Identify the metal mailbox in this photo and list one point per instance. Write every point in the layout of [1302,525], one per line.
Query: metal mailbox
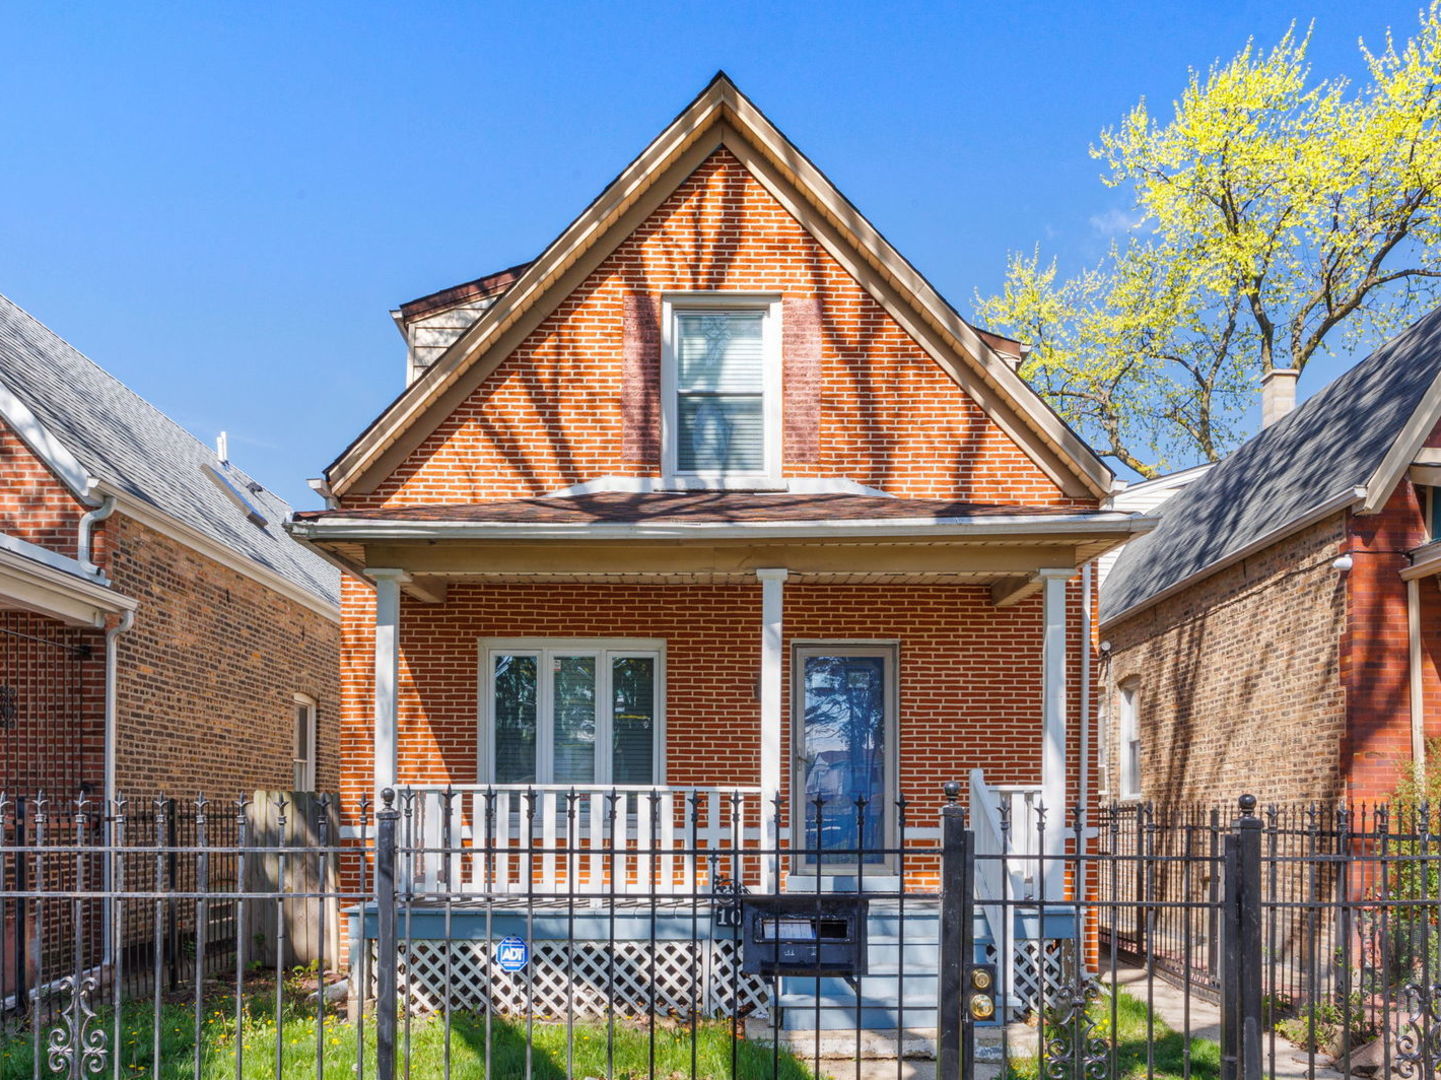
[804,935]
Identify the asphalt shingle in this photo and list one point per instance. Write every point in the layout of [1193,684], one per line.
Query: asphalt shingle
[123,440]
[1331,444]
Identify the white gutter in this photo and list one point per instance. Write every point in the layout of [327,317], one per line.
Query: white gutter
[88,521]
[381,529]
[1084,794]
[1346,499]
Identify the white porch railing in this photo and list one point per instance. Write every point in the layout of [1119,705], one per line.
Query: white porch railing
[584,838]
[1007,860]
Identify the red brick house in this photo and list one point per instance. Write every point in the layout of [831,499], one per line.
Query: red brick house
[159,631]
[1279,631]
[647,500]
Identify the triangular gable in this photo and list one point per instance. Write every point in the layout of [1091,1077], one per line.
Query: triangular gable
[723,117]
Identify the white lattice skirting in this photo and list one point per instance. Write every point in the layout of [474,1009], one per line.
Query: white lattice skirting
[584,979]
[1049,962]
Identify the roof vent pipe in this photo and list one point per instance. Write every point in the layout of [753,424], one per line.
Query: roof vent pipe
[1278,394]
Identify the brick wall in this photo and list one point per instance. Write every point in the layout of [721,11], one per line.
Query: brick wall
[1239,678]
[207,674]
[1376,650]
[52,706]
[34,504]
[969,674]
[551,414]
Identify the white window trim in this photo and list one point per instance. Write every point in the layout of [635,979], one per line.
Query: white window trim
[771,388]
[312,708]
[1128,734]
[616,647]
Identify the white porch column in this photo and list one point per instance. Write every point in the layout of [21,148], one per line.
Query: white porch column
[1053,718]
[772,707]
[387,661]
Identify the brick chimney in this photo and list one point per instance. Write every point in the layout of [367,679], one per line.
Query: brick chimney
[1278,394]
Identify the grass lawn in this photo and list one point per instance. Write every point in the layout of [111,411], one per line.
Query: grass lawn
[1132,1046]
[632,1048]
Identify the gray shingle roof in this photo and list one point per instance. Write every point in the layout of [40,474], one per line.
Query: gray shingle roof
[1333,443]
[124,441]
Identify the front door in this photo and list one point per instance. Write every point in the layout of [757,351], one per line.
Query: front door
[844,742]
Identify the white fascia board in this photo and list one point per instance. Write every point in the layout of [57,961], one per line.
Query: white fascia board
[53,559]
[163,523]
[1425,562]
[1403,450]
[63,594]
[360,529]
[1346,500]
[44,445]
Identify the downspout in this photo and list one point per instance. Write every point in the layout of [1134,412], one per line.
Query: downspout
[1417,686]
[83,541]
[1084,793]
[127,620]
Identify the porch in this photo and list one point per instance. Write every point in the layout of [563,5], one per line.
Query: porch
[788,648]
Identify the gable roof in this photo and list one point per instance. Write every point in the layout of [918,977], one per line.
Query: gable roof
[1346,446]
[722,117]
[96,428]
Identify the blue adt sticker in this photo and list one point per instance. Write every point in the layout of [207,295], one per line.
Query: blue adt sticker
[512,954]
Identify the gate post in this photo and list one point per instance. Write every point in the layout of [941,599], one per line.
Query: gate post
[1241,1028]
[387,959]
[956,1038]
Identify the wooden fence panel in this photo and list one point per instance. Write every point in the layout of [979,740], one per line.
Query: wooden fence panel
[298,930]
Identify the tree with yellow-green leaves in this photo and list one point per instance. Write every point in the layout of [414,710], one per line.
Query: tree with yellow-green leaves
[1280,216]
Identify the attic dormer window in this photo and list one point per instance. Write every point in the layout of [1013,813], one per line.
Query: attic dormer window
[721,384]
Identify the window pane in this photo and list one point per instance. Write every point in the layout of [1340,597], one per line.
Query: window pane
[723,434]
[720,351]
[633,717]
[515,711]
[844,753]
[302,732]
[574,691]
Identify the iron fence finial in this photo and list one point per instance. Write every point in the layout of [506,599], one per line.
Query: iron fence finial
[953,791]
[1248,805]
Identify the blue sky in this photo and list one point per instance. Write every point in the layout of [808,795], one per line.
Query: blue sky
[221,202]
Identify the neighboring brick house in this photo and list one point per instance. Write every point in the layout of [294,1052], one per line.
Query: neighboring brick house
[717,433]
[1279,631]
[159,631]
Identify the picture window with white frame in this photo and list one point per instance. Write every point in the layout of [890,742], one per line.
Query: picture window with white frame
[573,712]
[721,383]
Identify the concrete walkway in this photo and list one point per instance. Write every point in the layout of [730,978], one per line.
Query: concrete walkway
[1169,1004]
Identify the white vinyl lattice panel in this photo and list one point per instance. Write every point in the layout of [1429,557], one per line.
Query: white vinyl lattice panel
[1039,964]
[584,979]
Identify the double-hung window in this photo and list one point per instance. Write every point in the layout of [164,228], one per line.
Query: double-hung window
[572,712]
[721,385]
[303,761]
[1130,740]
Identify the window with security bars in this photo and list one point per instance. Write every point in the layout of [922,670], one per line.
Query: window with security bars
[720,358]
[573,715]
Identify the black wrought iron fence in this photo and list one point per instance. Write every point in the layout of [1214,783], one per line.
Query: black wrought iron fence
[654,933]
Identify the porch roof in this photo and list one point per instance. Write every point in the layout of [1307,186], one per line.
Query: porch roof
[708,509]
[715,536]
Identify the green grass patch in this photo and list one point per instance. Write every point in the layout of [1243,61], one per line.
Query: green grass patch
[1122,1050]
[631,1047]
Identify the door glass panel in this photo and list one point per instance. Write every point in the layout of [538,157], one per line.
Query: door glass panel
[574,696]
[632,681]
[515,719]
[844,759]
